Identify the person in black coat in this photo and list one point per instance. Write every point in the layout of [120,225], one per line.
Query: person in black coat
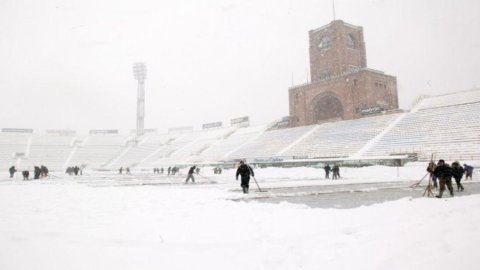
[457,173]
[244,170]
[335,171]
[36,172]
[43,171]
[468,171]
[76,169]
[327,171]
[190,174]
[12,171]
[25,175]
[443,171]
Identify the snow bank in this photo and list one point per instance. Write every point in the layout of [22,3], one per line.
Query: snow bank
[66,225]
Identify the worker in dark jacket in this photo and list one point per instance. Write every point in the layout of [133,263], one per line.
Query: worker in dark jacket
[457,173]
[12,171]
[244,170]
[25,174]
[327,171]
[336,172]
[36,172]
[190,174]
[443,171]
[468,171]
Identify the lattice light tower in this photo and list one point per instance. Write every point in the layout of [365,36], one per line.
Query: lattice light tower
[140,74]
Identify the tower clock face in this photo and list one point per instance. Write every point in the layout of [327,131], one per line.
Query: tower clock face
[324,43]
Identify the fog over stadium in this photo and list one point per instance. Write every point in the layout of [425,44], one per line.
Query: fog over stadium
[68,64]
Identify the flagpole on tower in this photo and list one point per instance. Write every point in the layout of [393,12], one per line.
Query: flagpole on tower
[333,7]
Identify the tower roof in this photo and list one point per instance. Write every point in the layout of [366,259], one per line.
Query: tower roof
[333,23]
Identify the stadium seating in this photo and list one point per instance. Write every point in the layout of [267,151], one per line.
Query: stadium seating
[447,126]
[340,139]
[53,149]
[223,148]
[10,145]
[96,151]
[270,143]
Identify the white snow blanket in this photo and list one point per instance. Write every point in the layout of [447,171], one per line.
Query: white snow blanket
[67,224]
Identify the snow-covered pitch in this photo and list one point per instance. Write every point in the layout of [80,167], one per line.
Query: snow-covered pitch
[146,221]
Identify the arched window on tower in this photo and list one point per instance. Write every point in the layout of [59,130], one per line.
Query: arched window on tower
[324,44]
[350,41]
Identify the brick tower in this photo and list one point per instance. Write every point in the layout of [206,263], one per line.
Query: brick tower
[342,86]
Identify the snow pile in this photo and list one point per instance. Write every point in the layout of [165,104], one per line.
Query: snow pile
[58,224]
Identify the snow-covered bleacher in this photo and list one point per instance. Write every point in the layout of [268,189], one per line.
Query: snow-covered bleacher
[223,148]
[53,149]
[270,143]
[177,142]
[96,151]
[11,145]
[192,151]
[145,147]
[464,97]
[340,139]
[189,147]
[447,126]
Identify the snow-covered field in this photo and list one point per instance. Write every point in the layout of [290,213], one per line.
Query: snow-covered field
[107,221]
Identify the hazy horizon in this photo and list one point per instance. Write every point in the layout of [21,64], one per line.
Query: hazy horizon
[68,64]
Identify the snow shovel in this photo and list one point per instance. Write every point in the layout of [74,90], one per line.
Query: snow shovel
[259,189]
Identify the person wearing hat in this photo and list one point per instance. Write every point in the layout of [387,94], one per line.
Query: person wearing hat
[443,171]
[244,170]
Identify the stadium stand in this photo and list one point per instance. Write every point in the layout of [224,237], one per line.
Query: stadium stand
[269,143]
[52,148]
[11,145]
[142,149]
[222,149]
[340,139]
[95,151]
[447,126]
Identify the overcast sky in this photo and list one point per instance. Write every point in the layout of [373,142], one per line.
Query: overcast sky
[68,64]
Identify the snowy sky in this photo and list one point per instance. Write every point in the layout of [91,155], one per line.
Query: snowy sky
[68,64]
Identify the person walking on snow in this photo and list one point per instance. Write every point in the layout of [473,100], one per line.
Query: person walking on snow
[336,172]
[25,175]
[190,175]
[457,173]
[327,171]
[244,170]
[12,171]
[468,171]
[444,174]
